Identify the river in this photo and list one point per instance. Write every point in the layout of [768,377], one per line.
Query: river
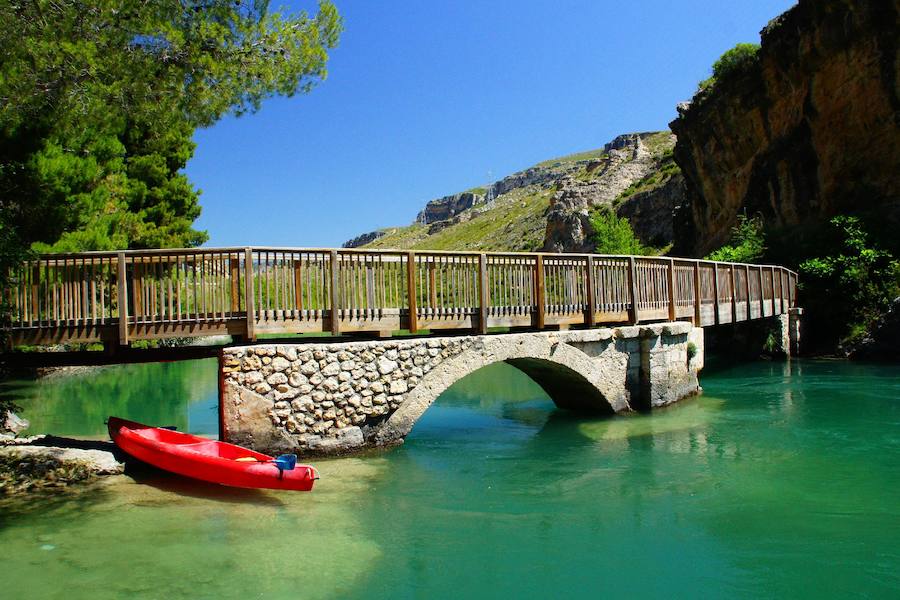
[782,479]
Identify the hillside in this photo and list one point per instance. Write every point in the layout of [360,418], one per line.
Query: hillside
[547,206]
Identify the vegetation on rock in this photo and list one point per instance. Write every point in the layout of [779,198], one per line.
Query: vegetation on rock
[733,61]
[614,235]
[853,281]
[747,243]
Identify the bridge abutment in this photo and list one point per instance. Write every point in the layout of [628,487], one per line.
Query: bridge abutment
[330,398]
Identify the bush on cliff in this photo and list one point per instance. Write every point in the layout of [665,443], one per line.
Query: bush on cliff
[733,61]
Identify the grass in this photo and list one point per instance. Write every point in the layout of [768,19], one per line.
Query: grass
[659,143]
[515,222]
[577,157]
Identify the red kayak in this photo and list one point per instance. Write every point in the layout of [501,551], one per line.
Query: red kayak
[209,460]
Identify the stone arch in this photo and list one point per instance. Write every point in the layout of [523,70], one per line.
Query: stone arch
[570,377]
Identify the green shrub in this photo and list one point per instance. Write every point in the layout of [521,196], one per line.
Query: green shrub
[747,243]
[732,61]
[614,235]
[691,350]
[853,283]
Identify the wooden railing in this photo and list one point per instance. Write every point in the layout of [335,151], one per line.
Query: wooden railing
[118,297]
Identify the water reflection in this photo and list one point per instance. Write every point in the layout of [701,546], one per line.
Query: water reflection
[183,394]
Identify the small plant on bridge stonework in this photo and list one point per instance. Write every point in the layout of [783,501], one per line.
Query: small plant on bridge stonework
[691,351]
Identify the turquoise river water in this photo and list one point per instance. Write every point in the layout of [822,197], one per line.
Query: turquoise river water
[782,480]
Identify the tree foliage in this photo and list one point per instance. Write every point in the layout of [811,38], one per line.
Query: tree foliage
[855,281]
[747,243]
[614,235]
[99,101]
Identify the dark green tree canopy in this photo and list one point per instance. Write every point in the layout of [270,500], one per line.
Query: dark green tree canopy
[99,100]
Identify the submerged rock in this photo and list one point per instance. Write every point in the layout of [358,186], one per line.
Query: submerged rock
[30,468]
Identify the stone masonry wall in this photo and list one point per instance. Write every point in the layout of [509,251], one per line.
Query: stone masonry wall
[337,397]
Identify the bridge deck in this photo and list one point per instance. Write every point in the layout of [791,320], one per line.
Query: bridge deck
[119,297]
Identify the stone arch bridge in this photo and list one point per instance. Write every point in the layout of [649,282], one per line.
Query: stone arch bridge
[333,398]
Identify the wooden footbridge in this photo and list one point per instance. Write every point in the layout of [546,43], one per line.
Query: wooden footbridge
[119,297]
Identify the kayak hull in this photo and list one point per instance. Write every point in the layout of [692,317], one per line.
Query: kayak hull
[207,460]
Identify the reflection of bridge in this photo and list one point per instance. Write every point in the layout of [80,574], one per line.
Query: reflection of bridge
[119,297]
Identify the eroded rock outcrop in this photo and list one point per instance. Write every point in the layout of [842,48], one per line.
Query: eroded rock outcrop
[362,240]
[448,207]
[810,130]
[627,160]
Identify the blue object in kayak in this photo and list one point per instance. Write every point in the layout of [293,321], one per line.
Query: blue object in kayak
[286,462]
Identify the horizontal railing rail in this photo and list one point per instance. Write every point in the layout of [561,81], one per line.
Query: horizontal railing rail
[119,297]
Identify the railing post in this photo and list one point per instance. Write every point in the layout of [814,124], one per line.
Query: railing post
[35,292]
[716,290]
[747,312]
[772,275]
[780,291]
[298,284]
[733,293]
[411,291]
[432,286]
[123,299]
[762,293]
[790,290]
[335,294]
[698,297]
[482,293]
[634,317]
[589,282]
[137,287]
[249,296]
[234,268]
[673,313]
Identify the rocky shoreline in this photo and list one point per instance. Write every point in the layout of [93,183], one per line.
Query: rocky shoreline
[45,463]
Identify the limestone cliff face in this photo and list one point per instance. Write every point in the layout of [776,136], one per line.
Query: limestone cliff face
[810,130]
[448,207]
[362,240]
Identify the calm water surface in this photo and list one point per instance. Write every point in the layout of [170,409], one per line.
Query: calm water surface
[781,480]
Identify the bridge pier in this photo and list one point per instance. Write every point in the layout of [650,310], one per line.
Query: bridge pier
[332,398]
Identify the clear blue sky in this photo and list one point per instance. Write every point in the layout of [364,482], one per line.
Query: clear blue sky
[425,99]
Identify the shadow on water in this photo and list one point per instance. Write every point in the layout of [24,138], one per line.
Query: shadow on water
[164,481]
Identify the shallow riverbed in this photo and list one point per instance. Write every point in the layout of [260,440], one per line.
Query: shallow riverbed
[782,479]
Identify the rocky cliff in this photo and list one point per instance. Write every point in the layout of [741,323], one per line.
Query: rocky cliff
[809,129]
[627,164]
[548,206]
